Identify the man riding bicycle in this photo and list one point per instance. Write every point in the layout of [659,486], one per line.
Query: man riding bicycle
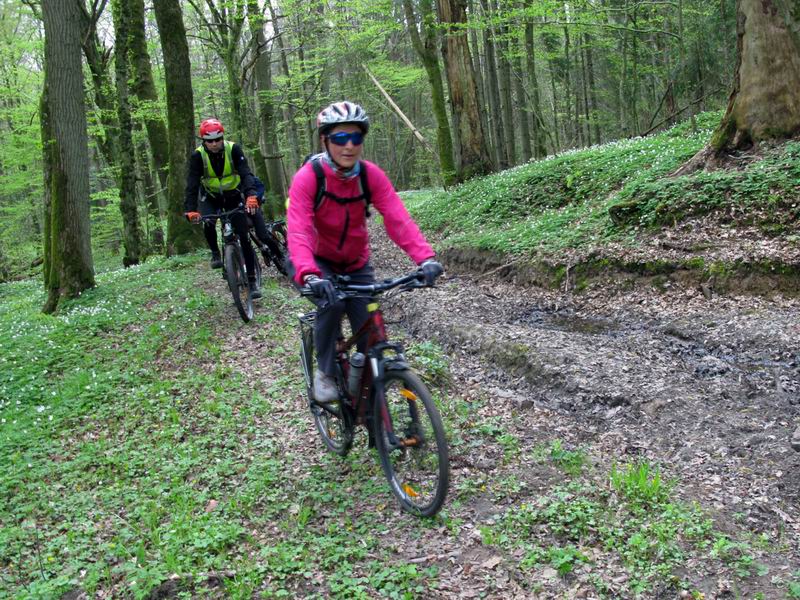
[327,229]
[219,175]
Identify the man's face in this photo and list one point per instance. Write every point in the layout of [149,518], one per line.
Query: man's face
[214,145]
[346,155]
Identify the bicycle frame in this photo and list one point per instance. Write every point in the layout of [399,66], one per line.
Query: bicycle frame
[374,329]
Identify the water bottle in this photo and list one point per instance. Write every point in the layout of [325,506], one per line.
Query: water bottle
[356,368]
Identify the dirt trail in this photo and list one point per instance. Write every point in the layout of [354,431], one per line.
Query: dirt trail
[709,388]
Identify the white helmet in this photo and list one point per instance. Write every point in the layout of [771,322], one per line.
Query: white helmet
[340,113]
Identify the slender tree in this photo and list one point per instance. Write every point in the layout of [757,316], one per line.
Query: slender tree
[266,109]
[146,98]
[181,236]
[68,254]
[131,231]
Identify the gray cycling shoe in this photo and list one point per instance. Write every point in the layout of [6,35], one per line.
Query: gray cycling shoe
[325,389]
[796,439]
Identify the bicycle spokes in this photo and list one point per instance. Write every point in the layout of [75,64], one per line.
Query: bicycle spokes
[410,441]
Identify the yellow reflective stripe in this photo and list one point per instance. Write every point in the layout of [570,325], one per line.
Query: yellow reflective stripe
[408,394]
[372,307]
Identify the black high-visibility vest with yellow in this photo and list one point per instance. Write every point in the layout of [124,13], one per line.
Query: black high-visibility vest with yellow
[216,184]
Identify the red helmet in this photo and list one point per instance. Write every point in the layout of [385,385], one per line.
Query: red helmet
[211,129]
[340,113]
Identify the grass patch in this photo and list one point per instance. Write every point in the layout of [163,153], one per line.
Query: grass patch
[585,197]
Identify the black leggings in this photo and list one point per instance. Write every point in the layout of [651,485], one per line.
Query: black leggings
[241,225]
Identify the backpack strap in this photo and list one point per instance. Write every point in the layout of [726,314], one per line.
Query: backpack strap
[320,174]
[366,193]
[362,176]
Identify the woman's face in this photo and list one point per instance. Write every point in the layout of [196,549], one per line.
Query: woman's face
[346,155]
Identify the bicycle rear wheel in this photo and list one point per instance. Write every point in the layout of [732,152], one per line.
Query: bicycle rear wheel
[236,275]
[410,440]
[332,420]
[280,251]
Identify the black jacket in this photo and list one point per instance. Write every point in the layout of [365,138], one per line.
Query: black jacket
[196,172]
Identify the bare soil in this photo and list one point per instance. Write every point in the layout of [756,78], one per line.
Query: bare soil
[704,384]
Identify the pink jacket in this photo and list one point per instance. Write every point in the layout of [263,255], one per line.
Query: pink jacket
[338,232]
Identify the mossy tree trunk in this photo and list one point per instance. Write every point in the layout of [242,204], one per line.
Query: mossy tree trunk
[765,101]
[425,47]
[470,149]
[68,254]
[131,231]
[494,113]
[181,236]
[149,111]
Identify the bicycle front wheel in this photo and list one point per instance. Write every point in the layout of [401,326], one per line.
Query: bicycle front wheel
[331,419]
[410,440]
[236,275]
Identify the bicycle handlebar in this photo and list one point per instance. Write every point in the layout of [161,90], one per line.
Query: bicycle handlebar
[221,215]
[346,289]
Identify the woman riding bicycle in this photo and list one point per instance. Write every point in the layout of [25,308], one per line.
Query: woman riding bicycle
[327,229]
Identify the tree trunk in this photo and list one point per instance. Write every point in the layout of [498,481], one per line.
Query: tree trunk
[266,112]
[495,113]
[131,232]
[181,236]
[570,127]
[519,89]
[539,129]
[506,100]
[68,259]
[478,67]
[288,111]
[147,97]
[97,60]
[473,159]
[594,117]
[765,101]
[427,52]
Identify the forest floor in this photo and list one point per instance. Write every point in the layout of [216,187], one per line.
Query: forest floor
[628,440]
[706,386]
[550,396]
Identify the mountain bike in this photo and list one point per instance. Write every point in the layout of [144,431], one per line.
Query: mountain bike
[233,266]
[273,250]
[386,397]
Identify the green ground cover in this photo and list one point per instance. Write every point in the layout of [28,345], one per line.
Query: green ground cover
[611,192]
[147,436]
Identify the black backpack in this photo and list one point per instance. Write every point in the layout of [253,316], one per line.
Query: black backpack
[365,195]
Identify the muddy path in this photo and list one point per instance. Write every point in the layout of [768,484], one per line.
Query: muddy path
[709,388]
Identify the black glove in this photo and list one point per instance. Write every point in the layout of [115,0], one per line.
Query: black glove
[431,269]
[322,288]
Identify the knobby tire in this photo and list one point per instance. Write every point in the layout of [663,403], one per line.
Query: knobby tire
[236,275]
[418,472]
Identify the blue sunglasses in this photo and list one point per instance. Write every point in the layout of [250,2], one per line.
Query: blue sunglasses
[341,138]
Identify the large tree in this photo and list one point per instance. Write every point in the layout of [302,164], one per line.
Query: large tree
[424,42]
[471,153]
[68,265]
[765,101]
[181,236]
